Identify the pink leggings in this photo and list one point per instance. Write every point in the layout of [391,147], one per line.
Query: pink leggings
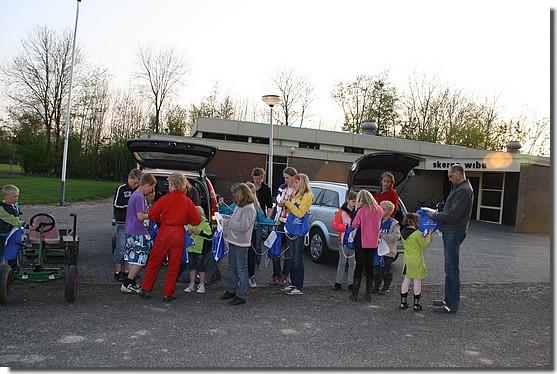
[406,284]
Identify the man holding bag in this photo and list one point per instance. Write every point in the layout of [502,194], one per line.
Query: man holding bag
[453,223]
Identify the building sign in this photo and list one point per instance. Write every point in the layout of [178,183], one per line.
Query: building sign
[500,161]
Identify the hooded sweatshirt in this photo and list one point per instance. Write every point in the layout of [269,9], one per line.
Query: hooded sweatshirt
[343,217]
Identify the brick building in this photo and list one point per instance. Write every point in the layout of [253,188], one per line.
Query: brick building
[510,188]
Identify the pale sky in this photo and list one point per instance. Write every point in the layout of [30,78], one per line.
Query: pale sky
[485,48]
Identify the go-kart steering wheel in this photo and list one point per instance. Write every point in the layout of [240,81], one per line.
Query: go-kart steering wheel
[43,226]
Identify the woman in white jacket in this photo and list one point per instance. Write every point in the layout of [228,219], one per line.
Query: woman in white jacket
[237,233]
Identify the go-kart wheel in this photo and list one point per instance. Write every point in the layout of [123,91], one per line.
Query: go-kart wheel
[6,277]
[46,226]
[70,279]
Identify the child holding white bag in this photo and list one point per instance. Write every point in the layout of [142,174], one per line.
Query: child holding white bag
[390,234]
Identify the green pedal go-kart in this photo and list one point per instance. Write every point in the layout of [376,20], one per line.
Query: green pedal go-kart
[41,252]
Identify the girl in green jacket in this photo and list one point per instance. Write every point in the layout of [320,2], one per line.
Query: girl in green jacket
[414,243]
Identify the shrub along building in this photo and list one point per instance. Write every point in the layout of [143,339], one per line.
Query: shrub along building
[510,188]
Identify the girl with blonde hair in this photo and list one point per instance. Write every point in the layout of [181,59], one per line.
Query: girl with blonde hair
[367,221]
[299,206]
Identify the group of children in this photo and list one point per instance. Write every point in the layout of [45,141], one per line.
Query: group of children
[138,250]
[389,231]
[242,222]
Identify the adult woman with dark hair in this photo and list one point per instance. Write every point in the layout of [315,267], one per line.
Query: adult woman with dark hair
[192,193]
[387,192]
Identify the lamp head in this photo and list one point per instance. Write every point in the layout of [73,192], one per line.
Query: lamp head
[271,100]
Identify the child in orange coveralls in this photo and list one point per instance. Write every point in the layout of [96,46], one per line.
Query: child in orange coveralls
[171,212]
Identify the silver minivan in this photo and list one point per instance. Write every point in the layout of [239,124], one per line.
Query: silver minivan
[328,197]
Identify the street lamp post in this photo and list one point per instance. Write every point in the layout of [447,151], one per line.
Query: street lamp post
[67,129]
[271,101]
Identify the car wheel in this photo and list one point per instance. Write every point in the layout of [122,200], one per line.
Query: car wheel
[317,246]
[70,289]
[6,276]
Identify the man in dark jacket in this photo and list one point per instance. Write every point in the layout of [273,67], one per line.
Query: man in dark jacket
[453,223]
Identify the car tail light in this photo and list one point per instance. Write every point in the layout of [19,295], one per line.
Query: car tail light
[212,201]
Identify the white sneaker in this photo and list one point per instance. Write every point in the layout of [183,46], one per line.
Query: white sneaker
[295,291]
[132,287]
[201,288]
[190,287]
[252,283]
[288,288]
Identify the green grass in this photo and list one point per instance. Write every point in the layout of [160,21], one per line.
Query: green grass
[43,190]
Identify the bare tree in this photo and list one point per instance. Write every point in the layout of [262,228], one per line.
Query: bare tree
[128,119]
[91,107]
[296,96]
[161,71]
[532,134]
[422,106]
[37,78]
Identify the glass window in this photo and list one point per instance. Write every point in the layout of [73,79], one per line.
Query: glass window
[490,215]
[493,181]
[212,135]
[330,198]
[237,138]
[255,139]
[316,192]
[309,145]
[491,198]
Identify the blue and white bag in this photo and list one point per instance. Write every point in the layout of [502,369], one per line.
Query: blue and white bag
[274,244]
[426,224]
[219,247]
[188,242]
[348,239]
[297,226]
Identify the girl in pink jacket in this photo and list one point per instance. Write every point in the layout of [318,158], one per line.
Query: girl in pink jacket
[368,224]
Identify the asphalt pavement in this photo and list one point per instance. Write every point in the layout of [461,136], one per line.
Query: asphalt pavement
[505,319]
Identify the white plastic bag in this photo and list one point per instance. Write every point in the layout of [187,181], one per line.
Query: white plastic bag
[383,248]
[270,239]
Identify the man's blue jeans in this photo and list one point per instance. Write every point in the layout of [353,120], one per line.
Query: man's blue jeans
[451,245]
[238,270]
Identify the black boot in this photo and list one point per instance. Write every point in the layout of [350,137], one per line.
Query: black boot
[377,277]
[404,300]
[417,306]
[369,282]
[355,290]
[385,289]
[376,284]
